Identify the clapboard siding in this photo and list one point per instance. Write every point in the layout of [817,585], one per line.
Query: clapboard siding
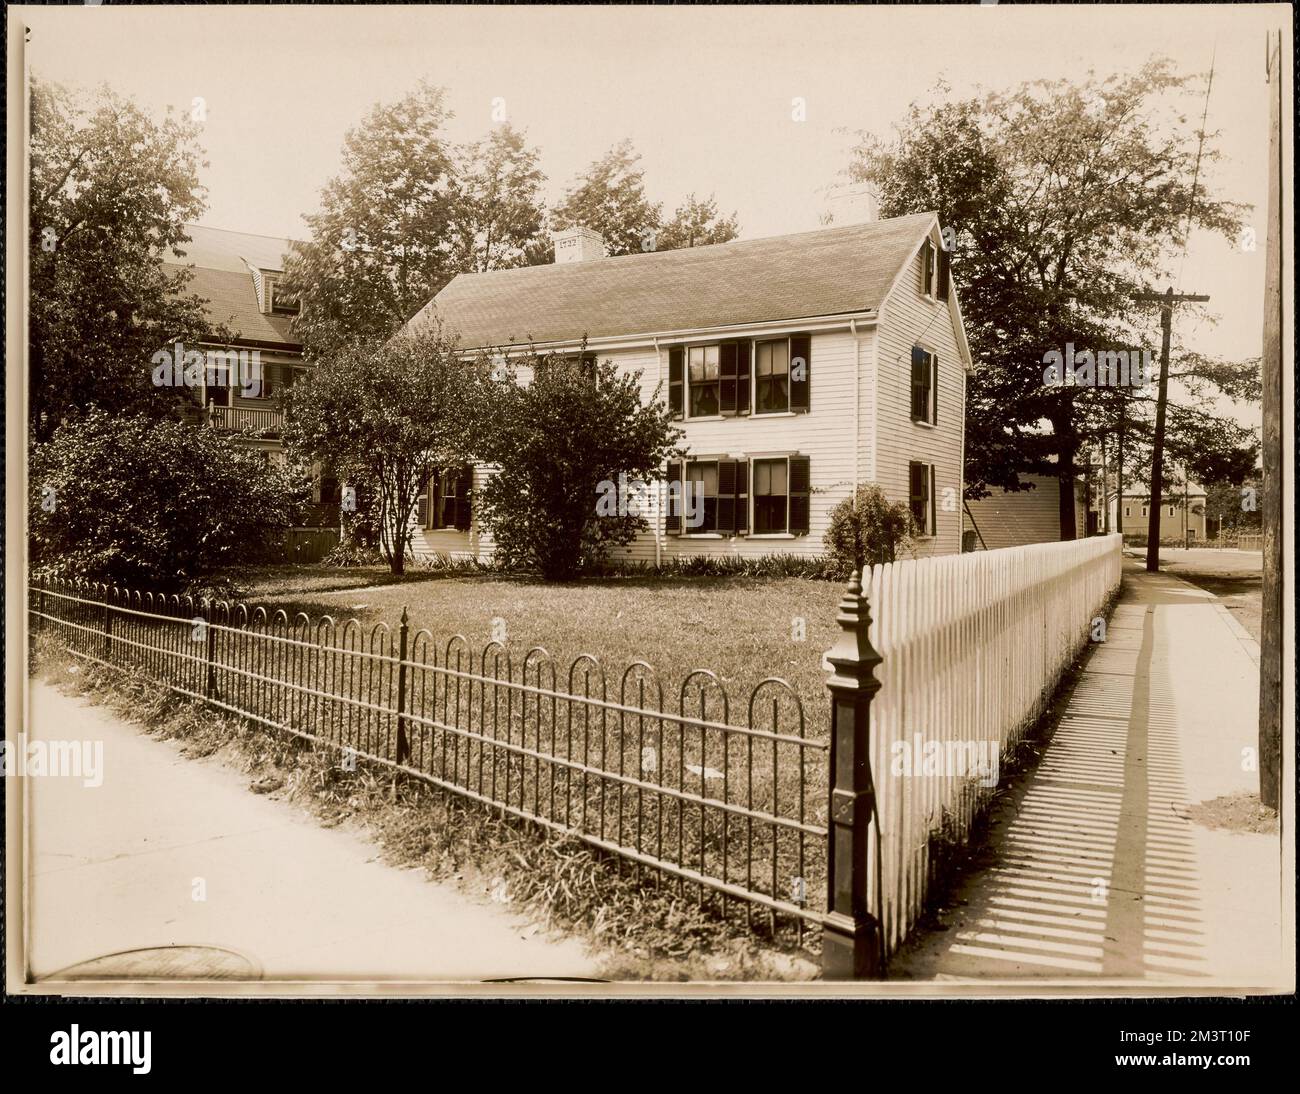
[1022,517]
[909,319]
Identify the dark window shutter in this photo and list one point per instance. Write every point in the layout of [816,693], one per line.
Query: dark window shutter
[800,389]
[726,496]
[727,389]
[800,487]
[676,388]
[919,368]
[422,508]
[673,514]
[464,479]
[945,273]
[927,267]
[934,389]
[918,483]
[744,370]
[742,495]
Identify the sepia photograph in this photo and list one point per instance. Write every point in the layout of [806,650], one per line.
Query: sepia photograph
[618,502]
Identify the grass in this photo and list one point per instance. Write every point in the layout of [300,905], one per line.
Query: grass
[743,629]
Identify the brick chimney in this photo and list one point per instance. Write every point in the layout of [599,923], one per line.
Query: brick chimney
[578,245]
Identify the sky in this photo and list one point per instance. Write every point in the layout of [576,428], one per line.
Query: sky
[705,94]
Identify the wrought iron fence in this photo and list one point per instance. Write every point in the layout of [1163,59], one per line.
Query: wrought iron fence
[728,805]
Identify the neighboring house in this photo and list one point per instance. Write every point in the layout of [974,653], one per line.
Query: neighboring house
[239,275]
[1182,515]
[1017,518]
[797,365]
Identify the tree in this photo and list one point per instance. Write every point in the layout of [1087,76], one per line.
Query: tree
[1065,199]
[609,198]
[868,529]
[150,502]
[110,191]
[381,245]
[496,212]
[563,447]
[390,413]
[696,224]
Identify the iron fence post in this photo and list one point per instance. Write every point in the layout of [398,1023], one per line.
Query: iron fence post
[108,630]
[851,934]
[403,745]
[210,675]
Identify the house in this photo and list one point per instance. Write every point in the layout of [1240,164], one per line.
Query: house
[1182,513]
[239,275]
[797,366]
[1020,517]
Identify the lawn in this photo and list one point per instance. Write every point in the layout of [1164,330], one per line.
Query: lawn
[743,629]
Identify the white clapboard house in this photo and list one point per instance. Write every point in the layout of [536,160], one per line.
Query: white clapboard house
[868,309]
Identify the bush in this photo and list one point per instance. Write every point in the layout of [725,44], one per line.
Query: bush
[558,443]
[143,502]
[869,529]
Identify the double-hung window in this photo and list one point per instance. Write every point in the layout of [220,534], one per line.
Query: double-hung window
[925,376]
[727,496]
[921,496]
[740,377]
[446,501]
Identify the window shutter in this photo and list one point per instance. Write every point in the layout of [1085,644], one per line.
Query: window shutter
[931,509]
[726,496]
[934,389]
[927,268]
[673,502]
[800,351]
[744,397]
[676,387]
[742,495]
[464,480]
[422,509]
[916,493]
[945,273]
[919,368]
[800,487]
[727,386]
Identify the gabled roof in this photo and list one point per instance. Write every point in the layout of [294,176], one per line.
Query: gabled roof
[222,275]
[833,271]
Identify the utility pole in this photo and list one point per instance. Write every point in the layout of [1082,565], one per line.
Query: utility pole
[1271,766]
[1167,300]
[1119,476]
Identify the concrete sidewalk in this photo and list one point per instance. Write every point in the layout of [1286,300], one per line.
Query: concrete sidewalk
[116,869]
[1097,865]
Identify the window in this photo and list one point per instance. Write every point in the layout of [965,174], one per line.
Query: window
[1144,510]
[703,476]
[1171,511]
[588,361]
[772,376]
[925,374]
[446,502]
[1126,512]
[719,497]
[281,301]
[927,268]
[703,379]
[771,495]
[921,496]
[735,378]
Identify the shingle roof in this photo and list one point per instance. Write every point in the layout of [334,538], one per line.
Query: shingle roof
[832,271]
[221,274]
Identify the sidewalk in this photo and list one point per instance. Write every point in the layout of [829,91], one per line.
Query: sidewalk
[116,868]
[1096,869]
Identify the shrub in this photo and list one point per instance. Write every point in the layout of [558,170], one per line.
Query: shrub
[869,529]
[145,502]
[558,443]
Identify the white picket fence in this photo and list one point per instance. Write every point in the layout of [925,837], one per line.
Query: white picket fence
[973,647]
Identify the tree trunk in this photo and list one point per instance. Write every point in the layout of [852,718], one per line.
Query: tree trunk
[1067,449]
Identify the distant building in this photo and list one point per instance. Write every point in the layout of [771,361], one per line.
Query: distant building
[1182,514]
[1018,518]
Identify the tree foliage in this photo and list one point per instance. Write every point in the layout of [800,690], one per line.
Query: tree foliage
[696,224]
[610,198]
[110,189]
[148,502]
[555,442]
[1065,198]
[388,413]
[868,529]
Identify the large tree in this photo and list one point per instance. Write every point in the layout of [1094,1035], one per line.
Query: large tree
[111,189]
[609,197]
[390,412]
[696,224]
[497,216]
[1064,200]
